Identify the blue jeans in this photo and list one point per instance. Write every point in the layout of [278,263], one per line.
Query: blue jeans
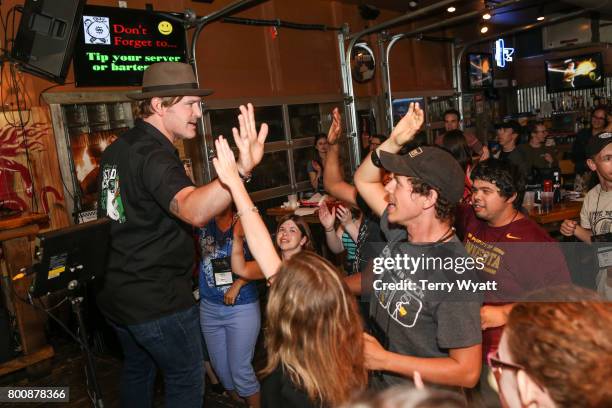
[173,344]
[231,333]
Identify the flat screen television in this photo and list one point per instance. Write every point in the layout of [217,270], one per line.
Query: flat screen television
[578,72]
[480,71]
[115,45]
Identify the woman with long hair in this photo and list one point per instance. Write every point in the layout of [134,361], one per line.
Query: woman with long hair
[316,165]
[315,351]
[314,335]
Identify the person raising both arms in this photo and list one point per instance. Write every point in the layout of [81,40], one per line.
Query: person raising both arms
[314,342]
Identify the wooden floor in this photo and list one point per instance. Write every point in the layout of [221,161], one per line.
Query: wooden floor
[68,369]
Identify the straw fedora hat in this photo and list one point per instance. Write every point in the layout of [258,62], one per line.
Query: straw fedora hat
[168,79]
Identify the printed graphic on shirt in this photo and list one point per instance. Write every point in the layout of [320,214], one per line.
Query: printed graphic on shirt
[491,254]
[402,306]
[111,197]
[601,221]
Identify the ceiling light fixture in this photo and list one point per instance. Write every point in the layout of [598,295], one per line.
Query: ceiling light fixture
[483,28]
[486,16]
[540,18]
[413,3]
[451,9]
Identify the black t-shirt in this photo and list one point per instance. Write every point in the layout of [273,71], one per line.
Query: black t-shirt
[278,391]
[151,252]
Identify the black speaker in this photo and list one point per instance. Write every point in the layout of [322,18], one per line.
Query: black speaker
[46,36]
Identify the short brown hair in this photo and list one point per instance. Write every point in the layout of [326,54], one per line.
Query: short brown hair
[445,210]
[144,106]
[565,347]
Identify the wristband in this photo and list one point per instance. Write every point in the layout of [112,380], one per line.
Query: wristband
[246,178]
[329,230]
[375,159]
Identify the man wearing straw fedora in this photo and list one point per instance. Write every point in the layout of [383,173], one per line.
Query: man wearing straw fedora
[146,292]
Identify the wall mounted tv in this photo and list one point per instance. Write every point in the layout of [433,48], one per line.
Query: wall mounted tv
[579,72]
[480,71]
[115,45]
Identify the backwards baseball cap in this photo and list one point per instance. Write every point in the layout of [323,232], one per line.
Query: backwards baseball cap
[597,143]
[431,164]
[511,124]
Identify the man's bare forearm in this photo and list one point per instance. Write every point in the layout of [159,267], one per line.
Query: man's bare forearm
[441,370]
[198,205]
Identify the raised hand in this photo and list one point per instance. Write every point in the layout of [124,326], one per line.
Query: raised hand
[327,218]
[344,215]
[316,167]
[250,143]
[409,125]
[336,127]
[225,163]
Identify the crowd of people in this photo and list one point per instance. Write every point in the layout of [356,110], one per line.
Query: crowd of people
[346,335]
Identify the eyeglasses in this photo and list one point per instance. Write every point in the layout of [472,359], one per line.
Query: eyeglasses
[599,117]
[497,364]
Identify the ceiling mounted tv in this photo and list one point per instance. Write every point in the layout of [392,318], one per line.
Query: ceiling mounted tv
[480,71]
[115,45]
[571,73]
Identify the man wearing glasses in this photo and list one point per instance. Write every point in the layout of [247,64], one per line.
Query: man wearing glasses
[598,124]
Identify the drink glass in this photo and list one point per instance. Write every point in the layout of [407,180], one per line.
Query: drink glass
[547,201]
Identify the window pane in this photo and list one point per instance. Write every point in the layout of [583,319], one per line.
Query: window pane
[273,171]
[305,120]
[223,120]
[301,157]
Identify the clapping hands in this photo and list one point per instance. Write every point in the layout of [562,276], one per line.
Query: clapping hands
[409,125]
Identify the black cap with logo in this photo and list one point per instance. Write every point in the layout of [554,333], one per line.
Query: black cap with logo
[431,164]
[597,143]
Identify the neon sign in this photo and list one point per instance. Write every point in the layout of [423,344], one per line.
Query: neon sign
[502,54]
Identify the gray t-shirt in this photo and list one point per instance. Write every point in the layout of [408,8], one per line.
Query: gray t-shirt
[416,322]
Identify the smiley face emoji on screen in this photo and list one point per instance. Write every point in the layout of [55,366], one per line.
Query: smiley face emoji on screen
[165,27]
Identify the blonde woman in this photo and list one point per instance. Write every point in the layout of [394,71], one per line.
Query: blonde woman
[314,341]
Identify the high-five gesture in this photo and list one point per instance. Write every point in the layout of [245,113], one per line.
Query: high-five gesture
[409,125]
[225,163]
[250,143]
[336,127]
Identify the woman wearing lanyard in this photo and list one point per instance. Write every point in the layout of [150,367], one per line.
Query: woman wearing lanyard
[229,309]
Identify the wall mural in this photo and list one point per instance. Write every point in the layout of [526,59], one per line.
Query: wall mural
[30,179]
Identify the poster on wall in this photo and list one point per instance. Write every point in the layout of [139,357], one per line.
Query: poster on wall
[115,45]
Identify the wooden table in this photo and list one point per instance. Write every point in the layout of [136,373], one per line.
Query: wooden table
[566,210]
[280,212]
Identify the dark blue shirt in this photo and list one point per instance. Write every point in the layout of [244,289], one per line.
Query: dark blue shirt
[215,244]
